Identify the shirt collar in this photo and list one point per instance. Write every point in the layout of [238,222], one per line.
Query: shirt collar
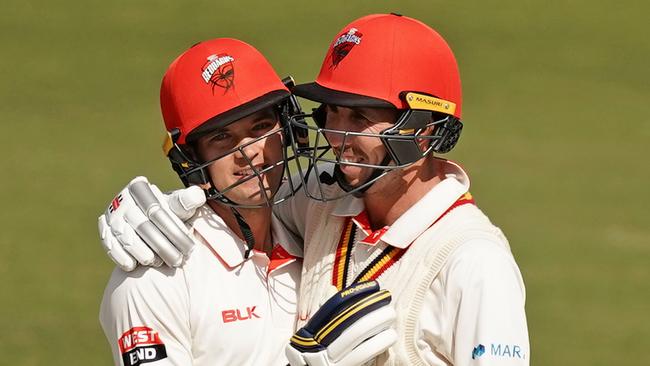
[210,227]
[429,208]
[420,216]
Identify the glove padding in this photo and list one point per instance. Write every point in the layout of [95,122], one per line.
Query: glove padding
[351,328]
[144,226]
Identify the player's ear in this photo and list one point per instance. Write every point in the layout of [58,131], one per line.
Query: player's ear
[430,130]
[191,150]
[424,143]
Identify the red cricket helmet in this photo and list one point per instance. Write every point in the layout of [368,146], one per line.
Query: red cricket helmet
[385,61]
[374,60]
[211,85]
[215,83]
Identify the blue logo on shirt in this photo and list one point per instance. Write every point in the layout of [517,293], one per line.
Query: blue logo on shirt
[507,350]
[478,351]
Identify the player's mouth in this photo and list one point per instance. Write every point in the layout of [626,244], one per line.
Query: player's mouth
[349,165]
[248,172]
[351,160]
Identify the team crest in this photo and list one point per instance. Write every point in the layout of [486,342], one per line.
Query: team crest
[219,71]
[344,45]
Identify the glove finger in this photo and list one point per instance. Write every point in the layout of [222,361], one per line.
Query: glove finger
[120,256]
[114,250]
[130,241]
[184,202]
[169,221]
[152,202]
[369,349]
[366,327]
[154,238]
[157,261]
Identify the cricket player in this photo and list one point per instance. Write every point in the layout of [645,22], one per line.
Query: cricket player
[391,211]
[232,301]
[385,208]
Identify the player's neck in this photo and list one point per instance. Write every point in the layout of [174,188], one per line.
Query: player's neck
[391,196]
[259,220]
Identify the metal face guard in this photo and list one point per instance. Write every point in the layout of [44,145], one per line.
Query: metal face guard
[221,194]
[402,142]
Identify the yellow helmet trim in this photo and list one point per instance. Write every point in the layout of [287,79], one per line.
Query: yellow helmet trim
[168,144]
[429,103]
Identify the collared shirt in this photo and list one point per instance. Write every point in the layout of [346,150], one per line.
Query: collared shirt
[218,308]
[420,216]
[473,312]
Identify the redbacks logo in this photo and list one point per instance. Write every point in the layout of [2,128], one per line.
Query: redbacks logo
[115,203]
[140,345]
[344,44]
[219,71]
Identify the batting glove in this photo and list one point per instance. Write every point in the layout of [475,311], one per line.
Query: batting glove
[144,226]
[351,328]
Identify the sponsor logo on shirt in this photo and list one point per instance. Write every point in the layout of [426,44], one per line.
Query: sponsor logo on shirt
[140,345]
[234,315]
[499,350]
[506,350]
[478,351]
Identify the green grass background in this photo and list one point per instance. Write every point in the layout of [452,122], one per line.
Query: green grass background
[556,140]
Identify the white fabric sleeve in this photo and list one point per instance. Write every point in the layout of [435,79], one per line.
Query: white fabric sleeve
[145,317]
[487,296]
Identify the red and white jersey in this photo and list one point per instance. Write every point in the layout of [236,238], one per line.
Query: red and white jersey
[219,308]
[472,312]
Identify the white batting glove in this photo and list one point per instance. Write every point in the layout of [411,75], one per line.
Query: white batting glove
[144,226]
[350,329]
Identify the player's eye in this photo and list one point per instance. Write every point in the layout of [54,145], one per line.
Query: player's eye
[359,118]
[219,137]
[263,126]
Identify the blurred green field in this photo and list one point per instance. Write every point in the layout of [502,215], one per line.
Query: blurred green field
[556,132]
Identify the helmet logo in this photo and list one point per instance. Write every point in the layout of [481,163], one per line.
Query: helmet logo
[344,44]
[427,102]
[219,71]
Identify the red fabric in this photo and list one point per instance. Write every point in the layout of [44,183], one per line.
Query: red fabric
[279,258]
[375,236]
[464,199]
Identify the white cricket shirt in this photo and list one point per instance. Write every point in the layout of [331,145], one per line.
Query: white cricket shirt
[218,308]
[473,312]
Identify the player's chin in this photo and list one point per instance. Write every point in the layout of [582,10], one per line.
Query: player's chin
[253,195]
[355,175]
[255,191]
[259,198]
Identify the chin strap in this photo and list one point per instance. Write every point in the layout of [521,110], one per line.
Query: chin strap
[245,230]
